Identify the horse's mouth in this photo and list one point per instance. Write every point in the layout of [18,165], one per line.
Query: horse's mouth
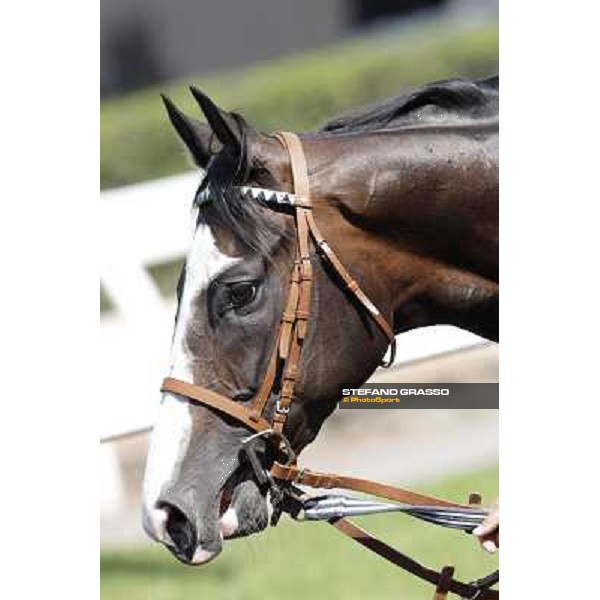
[228,521]
[243,506]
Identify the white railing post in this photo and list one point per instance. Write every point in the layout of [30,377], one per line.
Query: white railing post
[133,292]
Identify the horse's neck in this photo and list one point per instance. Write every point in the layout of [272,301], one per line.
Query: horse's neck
[428,228]
[428,292]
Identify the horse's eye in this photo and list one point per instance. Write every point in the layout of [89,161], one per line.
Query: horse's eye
[241,294]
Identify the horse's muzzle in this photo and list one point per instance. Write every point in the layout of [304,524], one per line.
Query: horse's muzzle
[195,533]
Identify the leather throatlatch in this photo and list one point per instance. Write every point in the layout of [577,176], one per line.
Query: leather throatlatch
[283,368]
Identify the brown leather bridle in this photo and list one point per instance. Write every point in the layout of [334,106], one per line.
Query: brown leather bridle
[284,363]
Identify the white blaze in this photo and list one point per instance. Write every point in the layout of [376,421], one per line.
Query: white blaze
[172,430]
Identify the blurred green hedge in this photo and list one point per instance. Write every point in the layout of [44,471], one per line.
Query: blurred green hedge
[295,93]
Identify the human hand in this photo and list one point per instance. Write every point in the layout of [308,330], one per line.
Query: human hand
[488,532]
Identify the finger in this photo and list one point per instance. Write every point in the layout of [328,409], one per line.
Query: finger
[489,546]
[484,529]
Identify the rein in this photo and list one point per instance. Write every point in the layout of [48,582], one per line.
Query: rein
[283,369]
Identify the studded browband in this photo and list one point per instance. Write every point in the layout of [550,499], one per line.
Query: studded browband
[285,361]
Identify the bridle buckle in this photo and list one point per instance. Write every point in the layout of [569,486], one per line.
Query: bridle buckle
[279,408]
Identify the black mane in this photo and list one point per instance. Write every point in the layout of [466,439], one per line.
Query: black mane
[436,103]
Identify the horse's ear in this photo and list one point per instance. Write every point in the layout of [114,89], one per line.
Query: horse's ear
[226,128]
[194,134]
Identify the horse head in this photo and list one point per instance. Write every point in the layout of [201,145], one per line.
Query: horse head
[231,294]
[429,258]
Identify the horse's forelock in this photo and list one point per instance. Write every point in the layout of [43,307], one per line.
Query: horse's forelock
[221,205]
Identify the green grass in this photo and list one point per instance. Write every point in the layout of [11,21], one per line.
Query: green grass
[106,304]
[307,560]
[296,93]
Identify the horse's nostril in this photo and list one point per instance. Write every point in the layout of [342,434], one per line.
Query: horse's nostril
[181,531]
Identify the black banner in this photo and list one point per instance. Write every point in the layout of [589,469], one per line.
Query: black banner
[421,395]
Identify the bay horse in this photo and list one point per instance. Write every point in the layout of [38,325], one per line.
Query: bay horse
[405,191]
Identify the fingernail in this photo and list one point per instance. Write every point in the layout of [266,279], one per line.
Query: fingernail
[489,546]
[478,530]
